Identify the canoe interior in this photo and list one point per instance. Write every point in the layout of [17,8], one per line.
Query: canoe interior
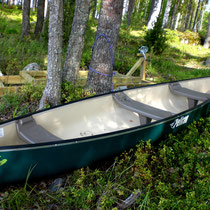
[101,114]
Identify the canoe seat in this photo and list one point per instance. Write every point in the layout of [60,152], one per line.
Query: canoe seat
[30,132]
[192,96]
[146,112]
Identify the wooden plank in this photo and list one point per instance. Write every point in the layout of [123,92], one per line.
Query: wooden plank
[27,77]
[36,73]
[136,65]
[12,80]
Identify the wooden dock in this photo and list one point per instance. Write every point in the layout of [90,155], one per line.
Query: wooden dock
[12,83]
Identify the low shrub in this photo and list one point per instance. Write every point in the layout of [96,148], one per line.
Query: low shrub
[71,93]
[155,39]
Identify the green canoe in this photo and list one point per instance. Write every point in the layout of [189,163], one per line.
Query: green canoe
[74,135]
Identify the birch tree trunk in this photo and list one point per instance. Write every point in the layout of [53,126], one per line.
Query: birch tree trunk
[94,8]
[52,92]
[26,18]
[109,25]
[130,11]
[34,5]
[178,16]
[76,40]
[173,17]
[200,19]
[154,13]
[187,16]
[46,10]
[166,13]
[138,6]
[40,17]
[125,7]
[207,40]
[196,15]
[46,16]
[191,18]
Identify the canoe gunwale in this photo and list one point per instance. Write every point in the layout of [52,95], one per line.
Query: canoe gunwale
[90,97]
[99,136]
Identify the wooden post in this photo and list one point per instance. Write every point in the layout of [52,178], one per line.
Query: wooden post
[1,84]
[143,69]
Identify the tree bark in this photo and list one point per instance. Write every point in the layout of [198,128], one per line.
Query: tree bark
[196,15]
[178,16]
[34,5]
[52,92]
[125,7]
[154,13]
[76,40]
[26,18]
[207,40]
[109,25]
[94,8]
[10,2]
[2,3]
[46,10]
[40,17]
[191,18]
[173,17]
[187,16]
[166,13]
[130,11]
[200,19]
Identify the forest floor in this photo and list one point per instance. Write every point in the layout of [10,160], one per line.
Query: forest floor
[174,174]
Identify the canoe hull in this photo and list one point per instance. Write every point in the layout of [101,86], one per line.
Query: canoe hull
[51,159]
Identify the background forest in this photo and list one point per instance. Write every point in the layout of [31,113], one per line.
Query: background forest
[174,174]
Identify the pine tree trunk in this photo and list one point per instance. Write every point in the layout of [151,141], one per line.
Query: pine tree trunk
[207,40]
[109,25]
[130,11]
[166,13]
[40,17]
[196,15]
[52,92]
[154,13]
[76,40]
[26,18]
